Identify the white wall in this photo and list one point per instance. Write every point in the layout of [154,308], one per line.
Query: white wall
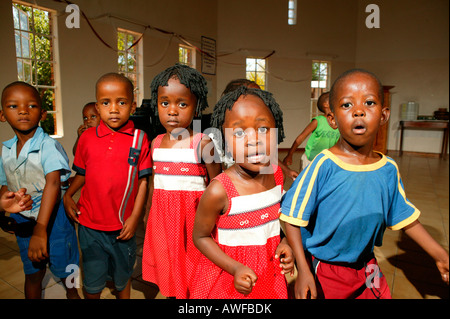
[410,50]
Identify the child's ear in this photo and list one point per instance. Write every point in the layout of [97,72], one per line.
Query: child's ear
[133,108]
[385,114]
[331,120]
[43,115]
[2,117]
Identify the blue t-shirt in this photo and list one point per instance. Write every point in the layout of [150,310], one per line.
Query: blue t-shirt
[344,209]
[40,155]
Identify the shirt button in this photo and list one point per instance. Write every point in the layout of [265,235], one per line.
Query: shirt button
[110,148]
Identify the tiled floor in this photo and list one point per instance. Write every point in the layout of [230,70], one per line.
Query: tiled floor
[411,274]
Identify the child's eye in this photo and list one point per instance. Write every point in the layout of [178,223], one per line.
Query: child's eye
[122,103]
[239,133]
[12,106]
[32,106]
[370,103]
[93,117]
[182,105]
[85,118]
[105,103]
[263,130]
[346,105]
[164,104]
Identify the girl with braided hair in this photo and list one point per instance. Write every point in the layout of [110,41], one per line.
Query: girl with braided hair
[183,164]
[236,225]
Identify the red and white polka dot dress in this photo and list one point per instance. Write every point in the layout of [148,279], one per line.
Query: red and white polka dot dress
[249,232]
[169,255]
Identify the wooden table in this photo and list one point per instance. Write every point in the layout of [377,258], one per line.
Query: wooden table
[426,125]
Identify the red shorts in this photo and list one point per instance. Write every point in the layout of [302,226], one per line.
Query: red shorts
[350,281]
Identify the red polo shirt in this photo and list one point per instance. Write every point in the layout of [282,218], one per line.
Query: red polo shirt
[107,198]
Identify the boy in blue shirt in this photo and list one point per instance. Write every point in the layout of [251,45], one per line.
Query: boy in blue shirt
[35,161]
[340,205]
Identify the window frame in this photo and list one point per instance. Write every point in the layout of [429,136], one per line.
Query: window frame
[292,12]
[256,72]
[191,62]
[317,91]
[139,69]
[57,108]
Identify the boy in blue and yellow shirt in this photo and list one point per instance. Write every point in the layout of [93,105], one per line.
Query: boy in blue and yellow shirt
[340,205]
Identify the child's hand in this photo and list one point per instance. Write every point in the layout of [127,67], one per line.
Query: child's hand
[305,286]
[129,228]
[16,202]
[37,249]
[71,208]
[287,160]
[286,256]
[443,269]
[81,129]
[244,280]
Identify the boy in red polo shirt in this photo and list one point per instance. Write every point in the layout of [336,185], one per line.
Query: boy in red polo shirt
[112,162]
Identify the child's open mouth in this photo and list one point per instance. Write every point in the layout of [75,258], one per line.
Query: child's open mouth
[359,129]
[256,158]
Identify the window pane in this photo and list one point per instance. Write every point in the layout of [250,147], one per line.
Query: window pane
[260,65]
[250,76]
[121,62]
[44,71]
[26,53]
[18,45]
[250,65]
[16,18]
[130,41]
[41,21]
[23,20]
[131,63]
[27,71]
[48,99]
[120,41]
[20,69]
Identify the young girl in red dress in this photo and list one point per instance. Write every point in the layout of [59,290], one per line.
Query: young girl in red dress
[236,225]
[180,175]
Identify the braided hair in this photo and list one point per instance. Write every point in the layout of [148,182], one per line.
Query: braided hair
[187,76]
[227,101]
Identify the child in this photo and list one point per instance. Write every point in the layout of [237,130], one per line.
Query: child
[112,162]
[346,197]
[322,135]
[227,160]
[91,118]
[35,161]
[183,165]
[236,225]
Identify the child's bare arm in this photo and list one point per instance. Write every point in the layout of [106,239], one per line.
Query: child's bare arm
[69,205]
[130,225]
[37,250]
[305,281]
[210,157]
[419,234]
[213,202]
[299,140]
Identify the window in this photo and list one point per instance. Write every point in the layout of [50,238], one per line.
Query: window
[256,71]
[320,81]
[292,12]
[130,59]
[186,55]
[36,53]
